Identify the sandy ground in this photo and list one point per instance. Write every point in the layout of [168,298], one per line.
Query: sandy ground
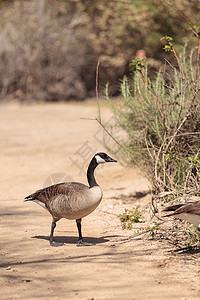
[41,144]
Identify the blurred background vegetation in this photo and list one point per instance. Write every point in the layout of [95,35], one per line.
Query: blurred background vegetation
[50,48]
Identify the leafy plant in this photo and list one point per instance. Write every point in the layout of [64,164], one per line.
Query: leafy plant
[169,46]
[193,237]
[195,234]
[186,243]
[160,118]
[153,229]
[137,65]
[161,121]
[129,217]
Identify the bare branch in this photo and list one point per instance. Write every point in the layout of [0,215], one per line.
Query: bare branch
[97,92]
[184,17]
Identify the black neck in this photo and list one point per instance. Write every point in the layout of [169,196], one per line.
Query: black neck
[90,173]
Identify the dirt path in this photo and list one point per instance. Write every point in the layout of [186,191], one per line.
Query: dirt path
[42,140]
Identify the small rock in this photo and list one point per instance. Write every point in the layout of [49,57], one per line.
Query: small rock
[159,281]
[8,268]
[112,245]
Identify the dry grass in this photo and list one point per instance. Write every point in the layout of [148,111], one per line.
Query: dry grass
[40,56]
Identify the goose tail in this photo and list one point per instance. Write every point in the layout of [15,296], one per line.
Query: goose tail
[172,209]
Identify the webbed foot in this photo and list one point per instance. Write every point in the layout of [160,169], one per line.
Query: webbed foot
[54,244]
[82,243]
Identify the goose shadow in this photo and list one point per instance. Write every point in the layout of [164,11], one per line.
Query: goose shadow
[73,239]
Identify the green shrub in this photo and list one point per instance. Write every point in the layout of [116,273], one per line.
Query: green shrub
[50,48]
[152,229]
[160,121]
[129,217]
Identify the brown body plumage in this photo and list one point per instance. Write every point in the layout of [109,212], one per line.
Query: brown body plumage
[72,200]
[189,211]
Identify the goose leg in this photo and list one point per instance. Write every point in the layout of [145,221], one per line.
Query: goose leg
[51,241]
[80,239]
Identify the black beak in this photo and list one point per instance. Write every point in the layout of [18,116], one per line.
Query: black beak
[110,159]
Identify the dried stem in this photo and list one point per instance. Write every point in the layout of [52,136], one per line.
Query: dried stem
[184,17]
[182,72]
[116,141]
[138,164]
[189,172]
[157,158]
[155,98]
[97,91]
[197,65]
[179,64]
[164,169]
[177,130]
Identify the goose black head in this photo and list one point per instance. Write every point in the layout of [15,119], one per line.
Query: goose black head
[102,157]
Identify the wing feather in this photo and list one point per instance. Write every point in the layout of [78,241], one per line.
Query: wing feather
[47,194]
[190,207]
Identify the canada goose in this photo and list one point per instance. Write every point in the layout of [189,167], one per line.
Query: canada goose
[72,200]
[189,211]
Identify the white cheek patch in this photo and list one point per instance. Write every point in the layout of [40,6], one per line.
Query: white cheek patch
[99,159]
[40,203]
